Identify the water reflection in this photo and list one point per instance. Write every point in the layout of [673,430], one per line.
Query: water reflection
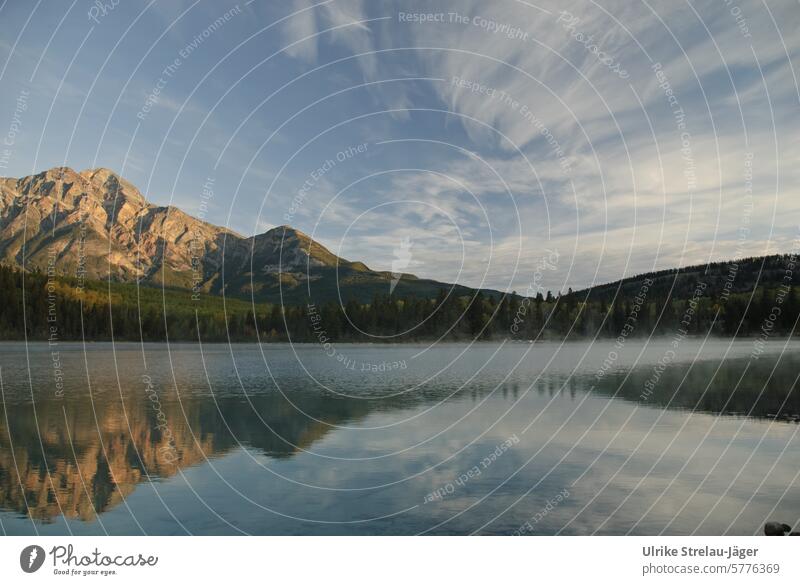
[738,386]
[258,439]
[79,457]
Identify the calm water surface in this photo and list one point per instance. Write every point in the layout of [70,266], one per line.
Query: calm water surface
[398,439]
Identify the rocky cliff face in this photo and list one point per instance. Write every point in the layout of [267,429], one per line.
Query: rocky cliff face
[95,224]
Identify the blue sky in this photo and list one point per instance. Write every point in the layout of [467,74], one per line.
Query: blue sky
[609,137]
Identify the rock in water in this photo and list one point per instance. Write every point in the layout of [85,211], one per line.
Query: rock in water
[776,529]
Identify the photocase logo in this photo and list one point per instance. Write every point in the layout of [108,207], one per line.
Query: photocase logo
[402,258]
[31,558]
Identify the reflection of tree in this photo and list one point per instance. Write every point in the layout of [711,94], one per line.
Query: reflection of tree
[707,387]
[102,485]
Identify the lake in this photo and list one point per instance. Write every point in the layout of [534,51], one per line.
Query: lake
[488,438]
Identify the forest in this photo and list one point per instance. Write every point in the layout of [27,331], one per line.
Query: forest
[751,297]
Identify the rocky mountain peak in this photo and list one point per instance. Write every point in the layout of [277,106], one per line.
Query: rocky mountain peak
[98,225]
[112,185]
[54,183]
[295,250]
[100,222]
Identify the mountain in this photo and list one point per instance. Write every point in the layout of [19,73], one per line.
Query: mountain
[96,225]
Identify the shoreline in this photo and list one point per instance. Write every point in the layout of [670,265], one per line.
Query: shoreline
[576,340]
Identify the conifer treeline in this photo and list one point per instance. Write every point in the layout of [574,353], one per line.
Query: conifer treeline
[64,309]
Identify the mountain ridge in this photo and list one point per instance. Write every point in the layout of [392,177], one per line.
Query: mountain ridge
[95,224]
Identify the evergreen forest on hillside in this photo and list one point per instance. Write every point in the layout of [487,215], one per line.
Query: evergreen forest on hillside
[752,297]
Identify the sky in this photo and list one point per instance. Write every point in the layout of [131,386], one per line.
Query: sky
[507,144]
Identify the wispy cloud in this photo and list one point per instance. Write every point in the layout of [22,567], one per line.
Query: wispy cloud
[511,132]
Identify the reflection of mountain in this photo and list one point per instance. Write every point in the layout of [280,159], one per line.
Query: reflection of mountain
[81,457]
[708,386]
[70,464]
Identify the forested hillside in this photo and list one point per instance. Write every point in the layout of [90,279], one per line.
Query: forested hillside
[744,298]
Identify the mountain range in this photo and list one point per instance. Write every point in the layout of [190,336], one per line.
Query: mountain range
[96,225]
